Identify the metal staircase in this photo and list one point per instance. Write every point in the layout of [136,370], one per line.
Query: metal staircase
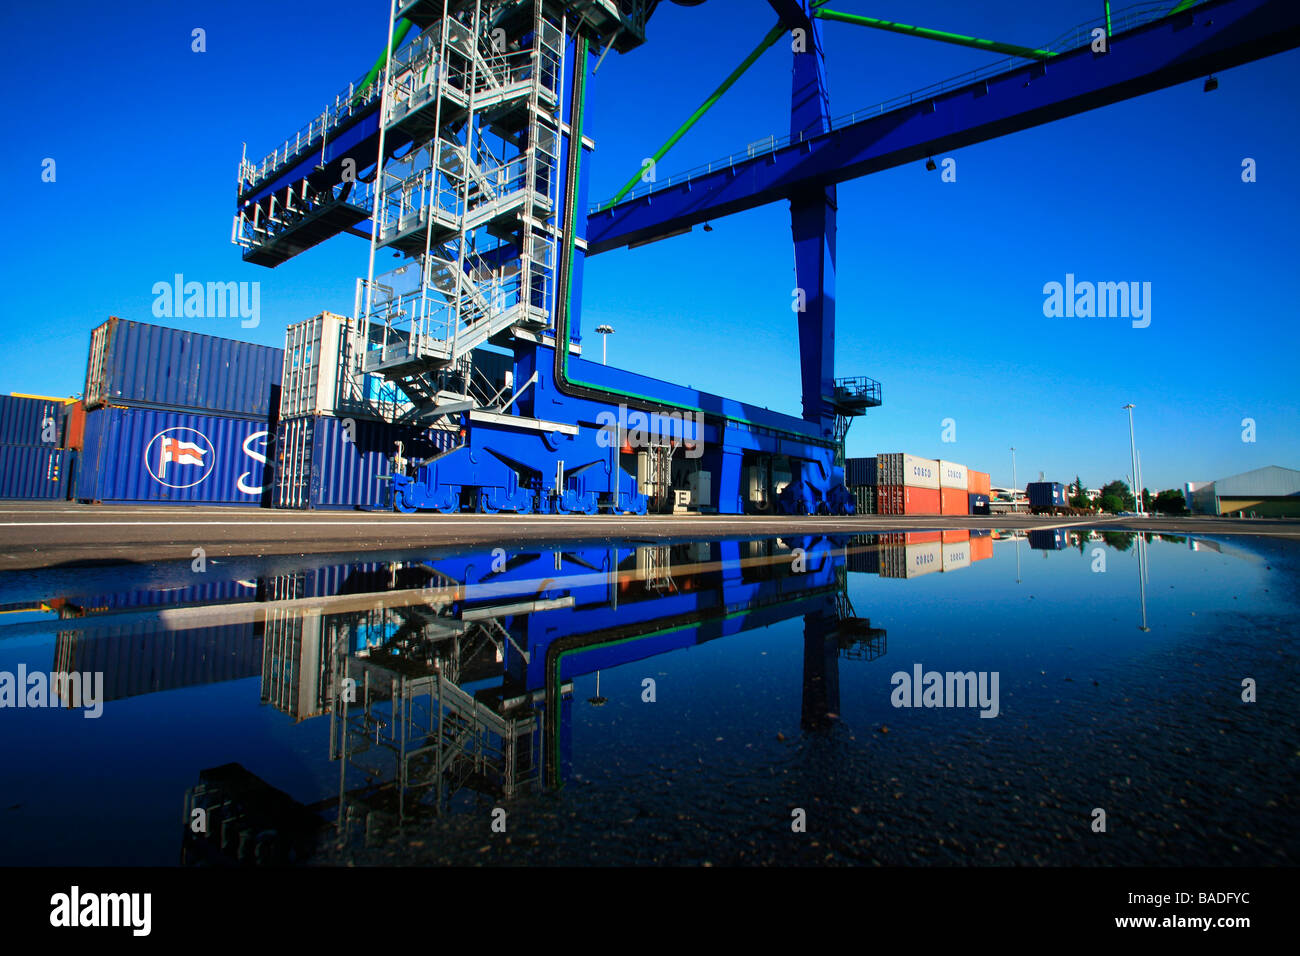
[471,204]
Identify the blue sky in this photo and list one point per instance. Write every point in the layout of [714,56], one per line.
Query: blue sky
[939,284]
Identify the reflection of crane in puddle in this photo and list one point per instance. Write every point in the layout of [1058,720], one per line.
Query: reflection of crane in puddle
[456,685]
[469,688]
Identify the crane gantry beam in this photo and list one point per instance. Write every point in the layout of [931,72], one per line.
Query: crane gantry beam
[1186,45]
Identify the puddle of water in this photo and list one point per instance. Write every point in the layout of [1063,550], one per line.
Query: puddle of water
[693,702]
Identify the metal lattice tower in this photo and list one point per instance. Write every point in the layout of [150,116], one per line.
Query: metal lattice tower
[471,203]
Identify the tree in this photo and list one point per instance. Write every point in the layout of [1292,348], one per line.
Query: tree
[1078,499]
[1171,502]
[1117,489]
[1112,503]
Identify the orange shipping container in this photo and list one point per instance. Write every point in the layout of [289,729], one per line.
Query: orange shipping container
[978,483]
[954,501]
[922,537]
[955,537]
[981,548]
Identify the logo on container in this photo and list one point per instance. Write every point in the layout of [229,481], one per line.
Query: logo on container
[180,457]
[258,454]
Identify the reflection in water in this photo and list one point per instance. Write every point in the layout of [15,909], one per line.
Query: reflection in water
[1142,578]
[456,675]
[438,683]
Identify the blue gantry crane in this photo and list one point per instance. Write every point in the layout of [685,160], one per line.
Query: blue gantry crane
[465,150]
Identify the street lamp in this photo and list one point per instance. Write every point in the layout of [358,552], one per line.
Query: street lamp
[605,332]
[1015,485]
[1132,447]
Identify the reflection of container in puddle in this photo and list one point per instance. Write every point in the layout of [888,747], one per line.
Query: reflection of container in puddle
[1053,539]
[981,546]
[956,555]
[912,559]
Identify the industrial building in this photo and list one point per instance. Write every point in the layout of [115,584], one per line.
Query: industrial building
[1272,492]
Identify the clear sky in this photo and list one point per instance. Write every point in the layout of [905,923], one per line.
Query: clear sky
[940,285]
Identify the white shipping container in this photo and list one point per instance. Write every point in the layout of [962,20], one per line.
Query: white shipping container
[952,475]
[908,470]
[322,373]
[956,555]
[910,560]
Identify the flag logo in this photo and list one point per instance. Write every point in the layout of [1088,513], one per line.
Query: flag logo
[179,457]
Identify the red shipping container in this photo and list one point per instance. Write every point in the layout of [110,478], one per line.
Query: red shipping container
[75,424]
[922,537]
[907,500]
[955,537]
[981,548]
[978,483]
[954,501]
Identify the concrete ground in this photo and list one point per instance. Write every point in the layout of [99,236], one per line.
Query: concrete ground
[44,534]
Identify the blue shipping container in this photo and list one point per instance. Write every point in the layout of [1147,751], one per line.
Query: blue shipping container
[320,465]
[1045,494]
[859,472]
[979,504]
[31,421]
[32,471]
[139,659]
[132,363]
[210,592]
[143,454]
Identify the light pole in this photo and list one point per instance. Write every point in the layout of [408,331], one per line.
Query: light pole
[1015,485]
[1132,447]
[605,332]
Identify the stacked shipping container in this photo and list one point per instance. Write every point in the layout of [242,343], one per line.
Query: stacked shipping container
[35,460]
[334,445]
[904,484]
[148,366]
[174,457]
[909,485]
[177,417]
[953,496]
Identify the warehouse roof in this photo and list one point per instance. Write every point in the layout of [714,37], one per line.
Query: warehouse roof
[1271,482]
